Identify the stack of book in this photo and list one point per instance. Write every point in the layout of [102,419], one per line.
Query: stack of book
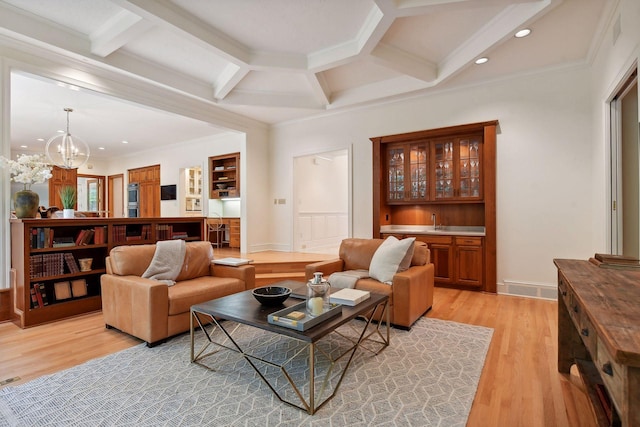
[615,261]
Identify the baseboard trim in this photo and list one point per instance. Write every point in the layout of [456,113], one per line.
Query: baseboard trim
[529,290]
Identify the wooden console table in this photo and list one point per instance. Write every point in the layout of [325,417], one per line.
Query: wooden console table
[599,329]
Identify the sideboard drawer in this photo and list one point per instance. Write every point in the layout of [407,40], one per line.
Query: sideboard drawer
[589,335]
[613,375]
[469,241]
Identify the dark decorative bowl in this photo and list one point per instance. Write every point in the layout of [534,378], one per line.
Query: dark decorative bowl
[271,295]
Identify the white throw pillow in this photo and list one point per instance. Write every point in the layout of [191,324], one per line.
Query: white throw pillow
[387,258]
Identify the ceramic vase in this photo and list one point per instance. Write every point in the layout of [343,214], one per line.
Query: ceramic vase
[26,203]
[68,213]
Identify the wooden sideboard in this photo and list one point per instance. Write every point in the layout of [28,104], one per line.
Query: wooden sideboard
[599,330]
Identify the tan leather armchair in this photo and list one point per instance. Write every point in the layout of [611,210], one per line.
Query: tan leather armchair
[151,310]
[411,294]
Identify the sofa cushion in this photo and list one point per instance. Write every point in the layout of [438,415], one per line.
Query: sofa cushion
[388,257]
[133,260]
[421,254]
[357,253]
[197,259]
[186,293]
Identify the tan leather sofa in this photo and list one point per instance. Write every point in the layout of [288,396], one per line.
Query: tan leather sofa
[151,310]
[411,294]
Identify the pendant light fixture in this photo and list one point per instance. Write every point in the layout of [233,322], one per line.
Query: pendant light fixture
[69,152]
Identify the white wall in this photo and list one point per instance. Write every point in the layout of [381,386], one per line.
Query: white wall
[321,201]
[544,206]
[612,62]
[179,156]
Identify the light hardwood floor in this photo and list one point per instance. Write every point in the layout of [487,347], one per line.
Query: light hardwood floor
[520,385]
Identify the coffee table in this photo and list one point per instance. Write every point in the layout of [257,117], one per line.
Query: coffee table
[242,308]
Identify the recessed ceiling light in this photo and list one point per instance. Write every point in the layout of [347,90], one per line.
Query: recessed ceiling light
[23,146]
[100,148]
[60,131]
[523,33]
[125,142]
[482,60]
[40,139]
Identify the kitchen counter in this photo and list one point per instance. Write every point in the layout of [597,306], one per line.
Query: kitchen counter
[449,230]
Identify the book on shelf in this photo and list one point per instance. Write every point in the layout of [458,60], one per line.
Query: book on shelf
[99,235]
[36,287]
[87,239]
[63,241]
[42,265]
[41,237]
[34,298]
[62,290]
[72,265]
[348,296]
[78,288]
[41,294]
[79,237]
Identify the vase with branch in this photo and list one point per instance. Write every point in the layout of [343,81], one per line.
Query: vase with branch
[27,170]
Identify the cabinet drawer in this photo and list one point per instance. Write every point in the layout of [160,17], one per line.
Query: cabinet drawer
[613,375]
[588,334]
[469,241]
[440,240]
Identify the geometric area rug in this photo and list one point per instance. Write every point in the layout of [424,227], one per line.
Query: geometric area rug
[426,377]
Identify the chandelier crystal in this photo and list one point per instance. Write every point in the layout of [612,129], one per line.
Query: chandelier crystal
[66,151]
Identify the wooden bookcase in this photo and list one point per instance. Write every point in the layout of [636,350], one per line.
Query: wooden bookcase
[224,176]
[47,252]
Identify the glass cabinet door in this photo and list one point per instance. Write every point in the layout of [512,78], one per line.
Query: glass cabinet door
[418,171]
[457,164]
[443,166]
[469,166]
[395,166]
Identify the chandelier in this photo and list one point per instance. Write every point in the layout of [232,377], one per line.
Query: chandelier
[66,151]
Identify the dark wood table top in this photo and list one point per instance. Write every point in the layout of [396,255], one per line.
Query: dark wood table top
[242,307]
[612,300]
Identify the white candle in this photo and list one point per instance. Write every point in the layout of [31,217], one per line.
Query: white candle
[315,306]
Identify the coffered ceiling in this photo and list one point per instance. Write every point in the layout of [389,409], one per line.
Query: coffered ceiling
[280,60]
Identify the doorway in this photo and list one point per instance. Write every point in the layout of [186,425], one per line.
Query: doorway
[115,202]
[91,195]
[625,169]
[322,191]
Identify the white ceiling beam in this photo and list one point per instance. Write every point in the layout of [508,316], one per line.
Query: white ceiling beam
[20,25]
[169,16]
[369,35]
[405,63]
[229,79]
[116,32]
[500,28]
[271,99]
[376,91]
[320,88]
